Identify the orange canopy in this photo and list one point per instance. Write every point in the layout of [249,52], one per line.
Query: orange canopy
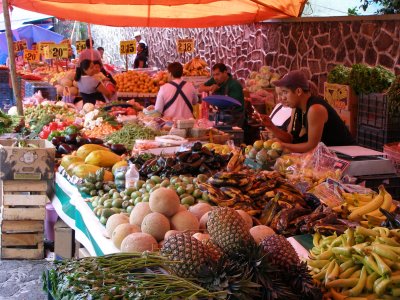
[165,13]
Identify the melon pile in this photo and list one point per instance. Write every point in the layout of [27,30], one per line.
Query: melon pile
[150,223]
[65,84]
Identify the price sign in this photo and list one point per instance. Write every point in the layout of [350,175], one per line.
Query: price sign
[80,46]
[185,45]
[127,47]
[31,55]
[56,51]
[42,45]
[20,45]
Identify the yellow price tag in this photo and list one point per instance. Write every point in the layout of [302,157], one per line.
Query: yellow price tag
[20,45]
[31,55]
[41,46]
[57,51]
[185,45]
[127,47]
[80,46]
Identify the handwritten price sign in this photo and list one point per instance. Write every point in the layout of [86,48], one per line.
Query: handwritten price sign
[43,45]
[80,46]
[127,47]
[31,55]
[56,51]
[20,45]
[185,45]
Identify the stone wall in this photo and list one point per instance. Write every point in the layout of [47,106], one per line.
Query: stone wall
[315,45]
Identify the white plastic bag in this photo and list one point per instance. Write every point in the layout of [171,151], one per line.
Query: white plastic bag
[132,176]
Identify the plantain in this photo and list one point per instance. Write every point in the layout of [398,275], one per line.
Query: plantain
[231,191]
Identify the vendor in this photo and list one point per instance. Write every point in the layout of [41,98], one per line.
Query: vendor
[313,120]
[222,83]
[141,56]
[91,89]
[176,98]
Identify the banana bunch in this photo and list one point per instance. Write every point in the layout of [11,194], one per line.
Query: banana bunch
[365,207]
[359,264]
[195,67]
[235,164]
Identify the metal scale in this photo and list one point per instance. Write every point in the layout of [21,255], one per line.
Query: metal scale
[223,105]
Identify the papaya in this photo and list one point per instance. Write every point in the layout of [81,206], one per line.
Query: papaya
[121,163]
[102,158]
[69,159]
[108,176]
[83,170]
[85,150]
[72,166]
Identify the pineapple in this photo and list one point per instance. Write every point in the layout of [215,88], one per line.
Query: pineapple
[228,231]
[280,252]
[189,254]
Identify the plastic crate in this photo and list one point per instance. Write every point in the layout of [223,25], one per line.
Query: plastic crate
[6,96]
[391,183]
[373,111]
[375,138]
[31,87]
[4,76]
[392,151]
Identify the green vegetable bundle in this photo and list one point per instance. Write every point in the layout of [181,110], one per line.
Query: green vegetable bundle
[339,75]
[366,80]
[128,134]
[120,276]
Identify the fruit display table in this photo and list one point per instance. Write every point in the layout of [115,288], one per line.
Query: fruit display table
[77,214]
[72,208]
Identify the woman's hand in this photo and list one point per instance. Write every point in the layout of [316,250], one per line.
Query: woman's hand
[264,119]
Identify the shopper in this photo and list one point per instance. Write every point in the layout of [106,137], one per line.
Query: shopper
[104,57]
[138,38]
[89,53]
[223,83]
[91,89]
[176,98]
[313,121]
[141,56]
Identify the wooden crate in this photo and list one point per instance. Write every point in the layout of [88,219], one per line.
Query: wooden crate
[22,240]
[23,200]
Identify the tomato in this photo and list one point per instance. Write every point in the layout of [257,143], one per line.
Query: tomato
[46,128]
[44,134]
[53,126]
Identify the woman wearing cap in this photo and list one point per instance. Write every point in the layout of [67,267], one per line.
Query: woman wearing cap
[313,120]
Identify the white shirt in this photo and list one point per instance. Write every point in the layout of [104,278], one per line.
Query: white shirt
[280,114]
[179,109]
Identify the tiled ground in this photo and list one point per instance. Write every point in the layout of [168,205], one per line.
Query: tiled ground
[22,279]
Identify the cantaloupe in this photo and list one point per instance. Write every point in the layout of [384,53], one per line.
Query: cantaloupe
[184,220]
[259,232]
[115,220]
[139,242]
[200,209]
[122,231]
[246,217]
[164,201]
[182,207]
[138,213]
[155,224]
[203,221]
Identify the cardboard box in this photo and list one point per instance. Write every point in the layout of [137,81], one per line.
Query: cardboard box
[83,253]
[27,163]
[64,240]
[340,96]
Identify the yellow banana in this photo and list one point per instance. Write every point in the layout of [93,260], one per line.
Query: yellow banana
[387,199]
[365,209]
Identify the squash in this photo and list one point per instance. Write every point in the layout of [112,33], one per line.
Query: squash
[66,82]
[85,150]
[122,163]
[102,158]
[83,170]
[69,159]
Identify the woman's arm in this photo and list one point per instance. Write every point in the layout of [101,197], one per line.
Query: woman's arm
[317,116]
[102,89]
[141,64]
[278,133]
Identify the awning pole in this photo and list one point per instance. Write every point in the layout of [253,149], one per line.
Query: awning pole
[11,55]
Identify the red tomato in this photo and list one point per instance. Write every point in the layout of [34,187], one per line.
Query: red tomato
[43,135]
[46,128]
[53,126]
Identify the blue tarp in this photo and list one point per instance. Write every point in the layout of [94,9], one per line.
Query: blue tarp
[30,33]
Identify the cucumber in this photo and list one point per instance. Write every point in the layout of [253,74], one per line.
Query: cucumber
[155,179]
[99,185]
[107,212]
[129,209]
[108,203]
[117,203]
[129,191]
[103,220]
[93,193]
[188,200]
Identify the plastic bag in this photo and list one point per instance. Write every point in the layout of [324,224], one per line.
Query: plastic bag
[312,168]
[131,176]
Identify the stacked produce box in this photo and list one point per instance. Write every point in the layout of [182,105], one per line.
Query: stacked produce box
[27,173]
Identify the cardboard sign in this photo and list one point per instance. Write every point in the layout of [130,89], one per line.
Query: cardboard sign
[41,46]
[80,46]
[127,47]
[185,45]
[20,45]
[31,55]
[339,96]
[56,51]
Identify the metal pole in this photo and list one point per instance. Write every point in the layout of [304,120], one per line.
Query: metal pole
[11,55]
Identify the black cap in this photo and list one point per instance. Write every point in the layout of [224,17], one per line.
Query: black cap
[293,79]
